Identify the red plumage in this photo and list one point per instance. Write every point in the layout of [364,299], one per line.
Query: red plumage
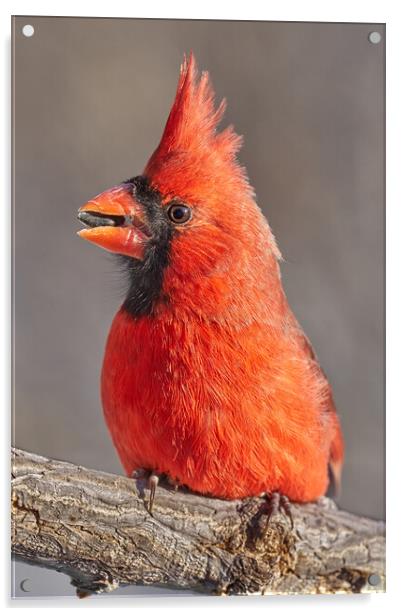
[216,384]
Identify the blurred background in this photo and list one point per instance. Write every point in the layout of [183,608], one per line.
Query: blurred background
[91,99]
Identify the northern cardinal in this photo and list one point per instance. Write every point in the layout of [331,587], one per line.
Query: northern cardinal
[207,375]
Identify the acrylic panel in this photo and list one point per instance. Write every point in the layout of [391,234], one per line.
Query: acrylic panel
[91,97]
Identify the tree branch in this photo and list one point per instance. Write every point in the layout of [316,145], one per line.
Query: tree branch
[95,527]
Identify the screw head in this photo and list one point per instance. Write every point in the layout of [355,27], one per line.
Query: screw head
[374,37]
[373,579]
[25,585]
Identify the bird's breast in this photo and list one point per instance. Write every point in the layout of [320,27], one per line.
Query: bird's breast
[198,401]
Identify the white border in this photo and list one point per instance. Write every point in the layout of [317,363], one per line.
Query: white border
[285,10]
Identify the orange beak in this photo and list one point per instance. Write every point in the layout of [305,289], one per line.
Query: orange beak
[115,221]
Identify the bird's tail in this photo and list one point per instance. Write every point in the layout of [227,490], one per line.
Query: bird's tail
[336,454]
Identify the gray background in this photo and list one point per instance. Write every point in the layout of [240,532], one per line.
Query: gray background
[91,99]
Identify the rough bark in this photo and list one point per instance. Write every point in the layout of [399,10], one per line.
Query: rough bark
[96,527]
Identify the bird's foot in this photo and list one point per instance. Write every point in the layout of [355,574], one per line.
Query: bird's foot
[152,480]
[277,503]
[260,530]
[152,484]
[173,483]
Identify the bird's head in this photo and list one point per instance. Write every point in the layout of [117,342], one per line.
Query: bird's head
[190,220]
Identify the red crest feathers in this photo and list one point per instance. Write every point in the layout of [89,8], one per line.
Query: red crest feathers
[191,152]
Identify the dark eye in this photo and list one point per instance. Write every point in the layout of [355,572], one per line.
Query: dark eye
[179,213]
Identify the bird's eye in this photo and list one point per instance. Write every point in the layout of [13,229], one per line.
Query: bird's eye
[179,213]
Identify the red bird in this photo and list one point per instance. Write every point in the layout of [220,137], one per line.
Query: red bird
[207,376]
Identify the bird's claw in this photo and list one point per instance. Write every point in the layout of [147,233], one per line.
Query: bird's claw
[152,484]
[174,483]
[139,473]
[152,480]
[276,503]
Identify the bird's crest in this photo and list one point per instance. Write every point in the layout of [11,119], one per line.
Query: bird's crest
[191,147]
